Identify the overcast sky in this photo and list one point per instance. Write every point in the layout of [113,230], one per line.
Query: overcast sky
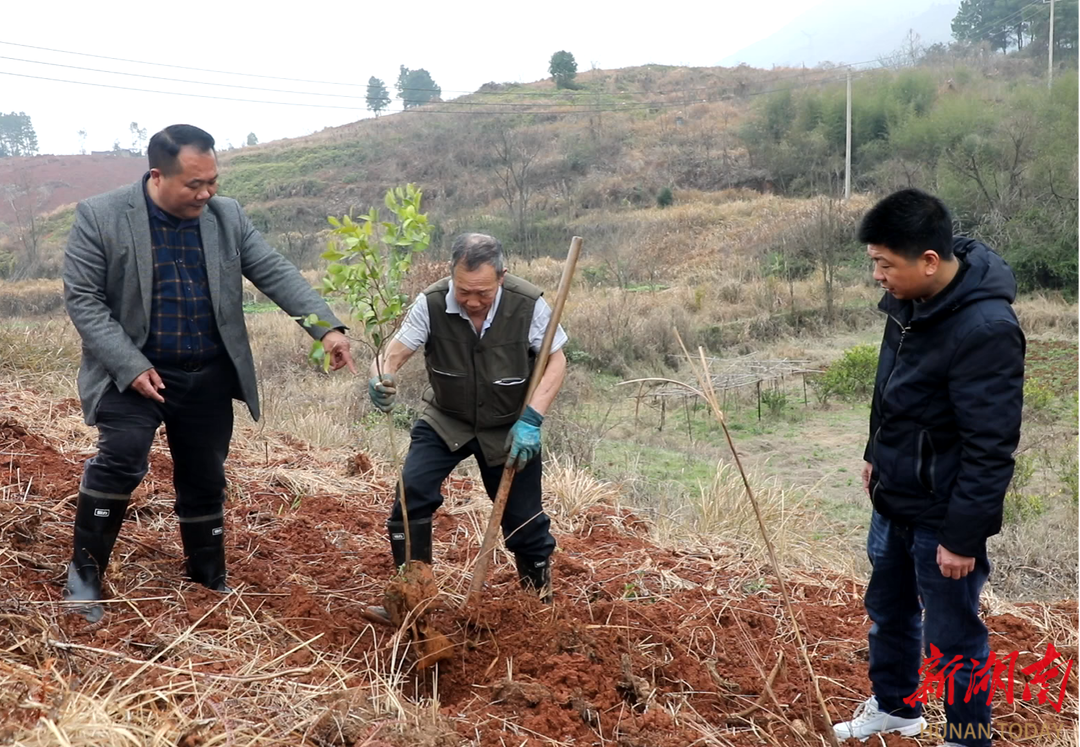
[462,44]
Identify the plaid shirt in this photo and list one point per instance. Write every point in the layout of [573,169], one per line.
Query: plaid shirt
[182,328]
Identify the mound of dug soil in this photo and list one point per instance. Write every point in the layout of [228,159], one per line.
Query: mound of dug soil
[645,646]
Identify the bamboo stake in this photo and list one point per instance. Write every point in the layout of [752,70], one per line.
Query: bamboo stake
[710,396]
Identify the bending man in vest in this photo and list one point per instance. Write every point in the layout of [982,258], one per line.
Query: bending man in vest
[481,330]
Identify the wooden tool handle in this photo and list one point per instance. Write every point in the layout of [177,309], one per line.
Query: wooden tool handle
[499,507]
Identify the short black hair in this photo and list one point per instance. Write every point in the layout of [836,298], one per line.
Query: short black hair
[165,146]
[909,222]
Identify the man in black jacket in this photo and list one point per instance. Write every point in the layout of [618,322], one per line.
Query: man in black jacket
[943,427]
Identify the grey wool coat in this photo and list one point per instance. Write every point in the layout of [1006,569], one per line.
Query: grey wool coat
[108,281]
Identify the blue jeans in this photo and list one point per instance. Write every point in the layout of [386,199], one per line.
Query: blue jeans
[904,584]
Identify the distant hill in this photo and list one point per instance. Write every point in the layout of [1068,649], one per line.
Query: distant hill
[614,142]
[526,162]
[849,31]
[53,181]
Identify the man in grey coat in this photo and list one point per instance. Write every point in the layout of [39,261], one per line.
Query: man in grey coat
[153,278]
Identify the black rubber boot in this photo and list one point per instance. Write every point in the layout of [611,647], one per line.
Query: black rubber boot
[204,548]
[420,549]
[535,576]
[98,518]
[419,537]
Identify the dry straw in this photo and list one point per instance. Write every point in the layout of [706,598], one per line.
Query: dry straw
[708,393]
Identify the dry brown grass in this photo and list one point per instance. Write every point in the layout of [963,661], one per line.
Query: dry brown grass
[201,685]
[583,162]
[570,491]
[1067,738]
[267,706]
[1044,314]
[228,687]
[42,354]
[722,237]
[622,330]
[30,298]
[254,698]
[320,408]
[717,298]
[1037,558]
[720,513]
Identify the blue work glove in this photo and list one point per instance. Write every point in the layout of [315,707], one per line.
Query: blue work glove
[524,439]
[382,392]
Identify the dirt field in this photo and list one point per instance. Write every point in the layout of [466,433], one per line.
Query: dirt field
[62,180]
[645,645]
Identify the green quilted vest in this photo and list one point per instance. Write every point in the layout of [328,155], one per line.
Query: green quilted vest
[477,385]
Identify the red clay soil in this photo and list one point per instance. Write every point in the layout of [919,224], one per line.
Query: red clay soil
[645,646]
[63,180]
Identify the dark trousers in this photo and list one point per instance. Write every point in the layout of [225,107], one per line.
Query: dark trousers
[912,606]
[526,528]
[198,418]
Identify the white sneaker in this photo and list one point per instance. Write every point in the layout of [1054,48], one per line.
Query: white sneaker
[868,720]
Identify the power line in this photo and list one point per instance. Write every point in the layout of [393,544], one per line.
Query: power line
[1002,21]
[545,94]
[305,80]
[538,94]
[179,80]
[178,93]
[273,77]
[628,107]
[563,107]
[427,110]
[178,67]
[248,88]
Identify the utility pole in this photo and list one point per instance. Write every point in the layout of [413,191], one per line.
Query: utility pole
[847,148]
[1050,48]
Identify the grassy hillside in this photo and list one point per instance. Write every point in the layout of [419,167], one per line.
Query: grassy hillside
[534,165]
[613,142]
[651,516]
[523,162]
